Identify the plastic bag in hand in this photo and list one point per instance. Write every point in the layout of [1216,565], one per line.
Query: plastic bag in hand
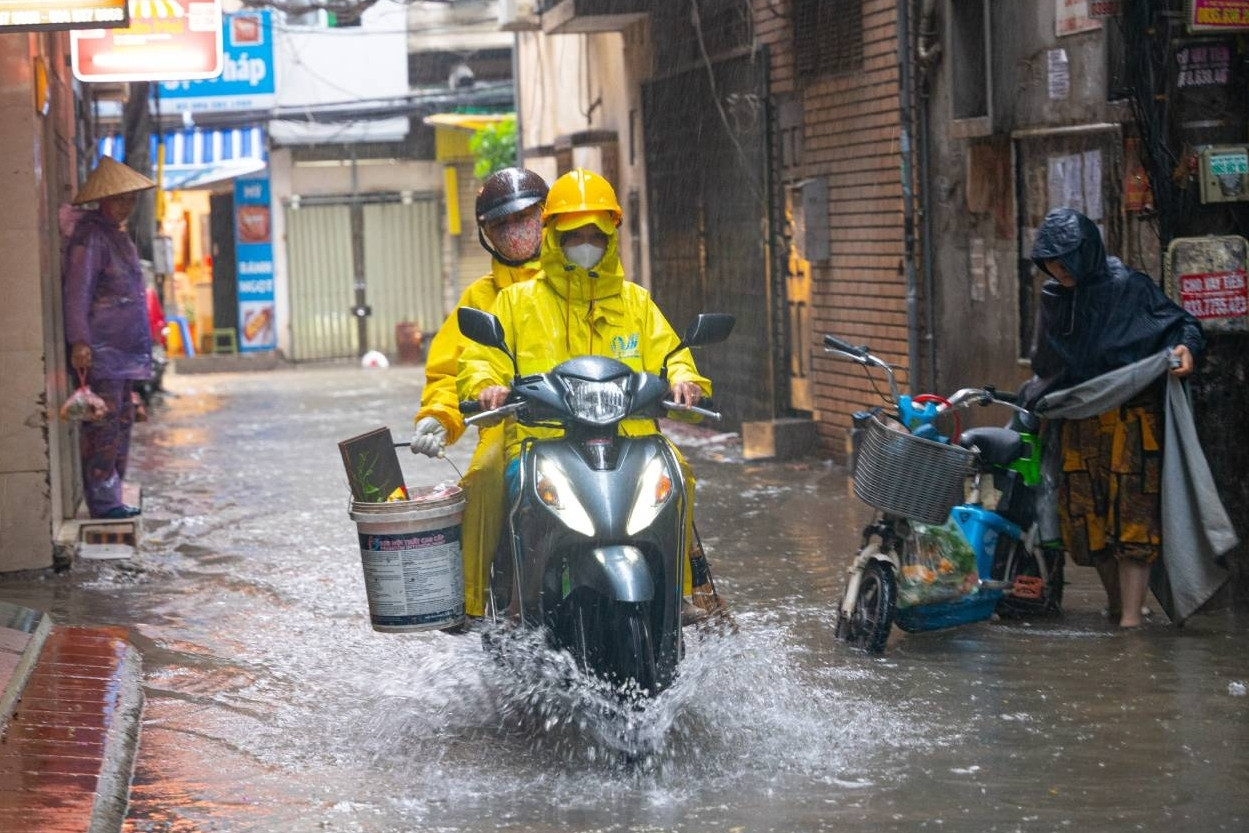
[85,405]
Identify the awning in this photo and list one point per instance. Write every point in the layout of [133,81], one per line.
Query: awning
[467,121]
[197,157]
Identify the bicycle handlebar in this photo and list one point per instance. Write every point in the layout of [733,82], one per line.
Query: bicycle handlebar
[833,342]
[963,398]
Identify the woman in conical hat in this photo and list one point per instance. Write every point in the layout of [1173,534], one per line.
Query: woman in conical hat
[106,326]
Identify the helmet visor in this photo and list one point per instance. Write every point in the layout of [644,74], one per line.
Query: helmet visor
[603,220]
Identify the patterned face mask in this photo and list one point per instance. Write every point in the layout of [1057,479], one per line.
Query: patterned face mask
[517,238]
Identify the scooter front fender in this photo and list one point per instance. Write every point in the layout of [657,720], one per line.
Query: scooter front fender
[617,572]
[871,552]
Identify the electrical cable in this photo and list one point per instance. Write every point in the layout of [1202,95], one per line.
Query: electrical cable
[747,168]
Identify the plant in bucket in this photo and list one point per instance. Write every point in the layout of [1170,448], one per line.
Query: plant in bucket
[409,542]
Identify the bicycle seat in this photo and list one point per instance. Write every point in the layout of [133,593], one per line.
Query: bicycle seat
[997,446]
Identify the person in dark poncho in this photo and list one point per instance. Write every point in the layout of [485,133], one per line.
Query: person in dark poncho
[1097,315]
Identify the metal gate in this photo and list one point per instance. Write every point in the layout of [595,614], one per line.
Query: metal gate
[400,249]
[706,162]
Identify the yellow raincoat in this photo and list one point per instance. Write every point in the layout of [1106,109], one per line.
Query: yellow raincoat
[483,482]
[564,312]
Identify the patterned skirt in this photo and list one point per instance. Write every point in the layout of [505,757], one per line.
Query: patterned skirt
[1109,498]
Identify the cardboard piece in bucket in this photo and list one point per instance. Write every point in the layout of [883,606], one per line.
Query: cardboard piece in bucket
[373,467]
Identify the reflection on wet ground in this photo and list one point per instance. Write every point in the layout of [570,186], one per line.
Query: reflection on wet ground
[272,706]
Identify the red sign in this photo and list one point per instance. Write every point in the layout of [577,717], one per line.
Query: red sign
[1105,8]
[1218,15]
[167,40]
[1215,294]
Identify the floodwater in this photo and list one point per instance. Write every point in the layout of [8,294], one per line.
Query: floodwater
[271,705]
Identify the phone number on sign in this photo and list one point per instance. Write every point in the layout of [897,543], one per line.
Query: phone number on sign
[1215,295]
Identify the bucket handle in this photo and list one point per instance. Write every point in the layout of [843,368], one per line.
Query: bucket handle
[440,456]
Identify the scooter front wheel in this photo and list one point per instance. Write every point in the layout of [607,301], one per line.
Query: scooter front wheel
[875,601]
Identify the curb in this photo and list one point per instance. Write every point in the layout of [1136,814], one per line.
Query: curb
[112,795]
[23,631]
[70,729]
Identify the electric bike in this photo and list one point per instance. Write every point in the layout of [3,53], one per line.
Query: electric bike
[594,547]
[955,538]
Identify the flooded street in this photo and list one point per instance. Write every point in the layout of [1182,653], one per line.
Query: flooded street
[273,706]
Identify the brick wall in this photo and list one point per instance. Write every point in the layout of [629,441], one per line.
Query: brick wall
[850,137]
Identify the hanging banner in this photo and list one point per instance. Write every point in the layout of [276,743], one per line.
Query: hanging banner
[253,246]
[247,79]
[167,40]
[30,15]
[1218,15]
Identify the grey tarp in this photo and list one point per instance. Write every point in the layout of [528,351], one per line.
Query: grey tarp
[1196,530]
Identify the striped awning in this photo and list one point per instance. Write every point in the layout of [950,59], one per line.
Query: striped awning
[154,9]
[195,158]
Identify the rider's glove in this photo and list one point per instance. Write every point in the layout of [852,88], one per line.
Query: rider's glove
[430,438]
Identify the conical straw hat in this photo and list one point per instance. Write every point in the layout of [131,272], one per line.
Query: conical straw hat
[110,179]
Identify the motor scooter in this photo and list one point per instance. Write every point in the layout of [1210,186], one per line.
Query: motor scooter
[955,539]
[595,540]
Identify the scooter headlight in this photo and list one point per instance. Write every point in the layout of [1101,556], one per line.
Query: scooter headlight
[654,489]
[598,403]
[556,492]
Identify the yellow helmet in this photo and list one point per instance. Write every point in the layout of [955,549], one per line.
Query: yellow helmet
[581,190]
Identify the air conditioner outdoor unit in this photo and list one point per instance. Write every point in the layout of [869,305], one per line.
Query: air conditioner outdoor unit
[518,15]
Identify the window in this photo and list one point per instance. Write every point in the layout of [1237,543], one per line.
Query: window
[969,64]
[828,37]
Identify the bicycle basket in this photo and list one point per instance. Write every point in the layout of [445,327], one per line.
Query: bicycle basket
[905,475]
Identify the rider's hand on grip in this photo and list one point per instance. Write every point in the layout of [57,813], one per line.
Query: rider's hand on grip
[493,397]
[686,393]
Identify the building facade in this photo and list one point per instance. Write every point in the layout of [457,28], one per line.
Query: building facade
[38,452]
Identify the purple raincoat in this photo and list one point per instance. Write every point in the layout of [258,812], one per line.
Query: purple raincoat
[105,301]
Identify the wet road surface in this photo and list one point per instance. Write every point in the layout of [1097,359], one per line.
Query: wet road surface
[273,706]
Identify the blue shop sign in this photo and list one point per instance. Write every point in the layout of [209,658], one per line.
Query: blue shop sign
[247,78]
[253,244]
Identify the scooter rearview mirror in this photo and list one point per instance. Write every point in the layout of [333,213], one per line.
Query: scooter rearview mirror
[485,329]
[706,328]
[709,328]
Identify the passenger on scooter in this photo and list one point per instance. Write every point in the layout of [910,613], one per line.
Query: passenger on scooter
[509,226]
[581,304]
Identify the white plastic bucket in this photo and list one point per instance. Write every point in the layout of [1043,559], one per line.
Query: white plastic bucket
[410,552]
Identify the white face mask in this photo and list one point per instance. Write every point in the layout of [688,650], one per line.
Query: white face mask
[585,255]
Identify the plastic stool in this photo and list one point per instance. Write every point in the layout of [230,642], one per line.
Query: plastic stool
[184,331]
[225,340]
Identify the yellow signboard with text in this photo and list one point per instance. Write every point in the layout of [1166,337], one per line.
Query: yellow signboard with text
[25,15]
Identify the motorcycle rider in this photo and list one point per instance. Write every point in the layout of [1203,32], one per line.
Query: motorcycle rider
[581,304]
[509,227]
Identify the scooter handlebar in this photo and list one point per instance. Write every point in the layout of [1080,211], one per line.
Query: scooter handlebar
[470,406]
[703,408]
[496,413]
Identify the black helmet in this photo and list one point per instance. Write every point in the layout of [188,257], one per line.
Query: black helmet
[507,192]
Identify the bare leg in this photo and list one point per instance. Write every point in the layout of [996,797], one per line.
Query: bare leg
[1133,582]
[1107,567]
